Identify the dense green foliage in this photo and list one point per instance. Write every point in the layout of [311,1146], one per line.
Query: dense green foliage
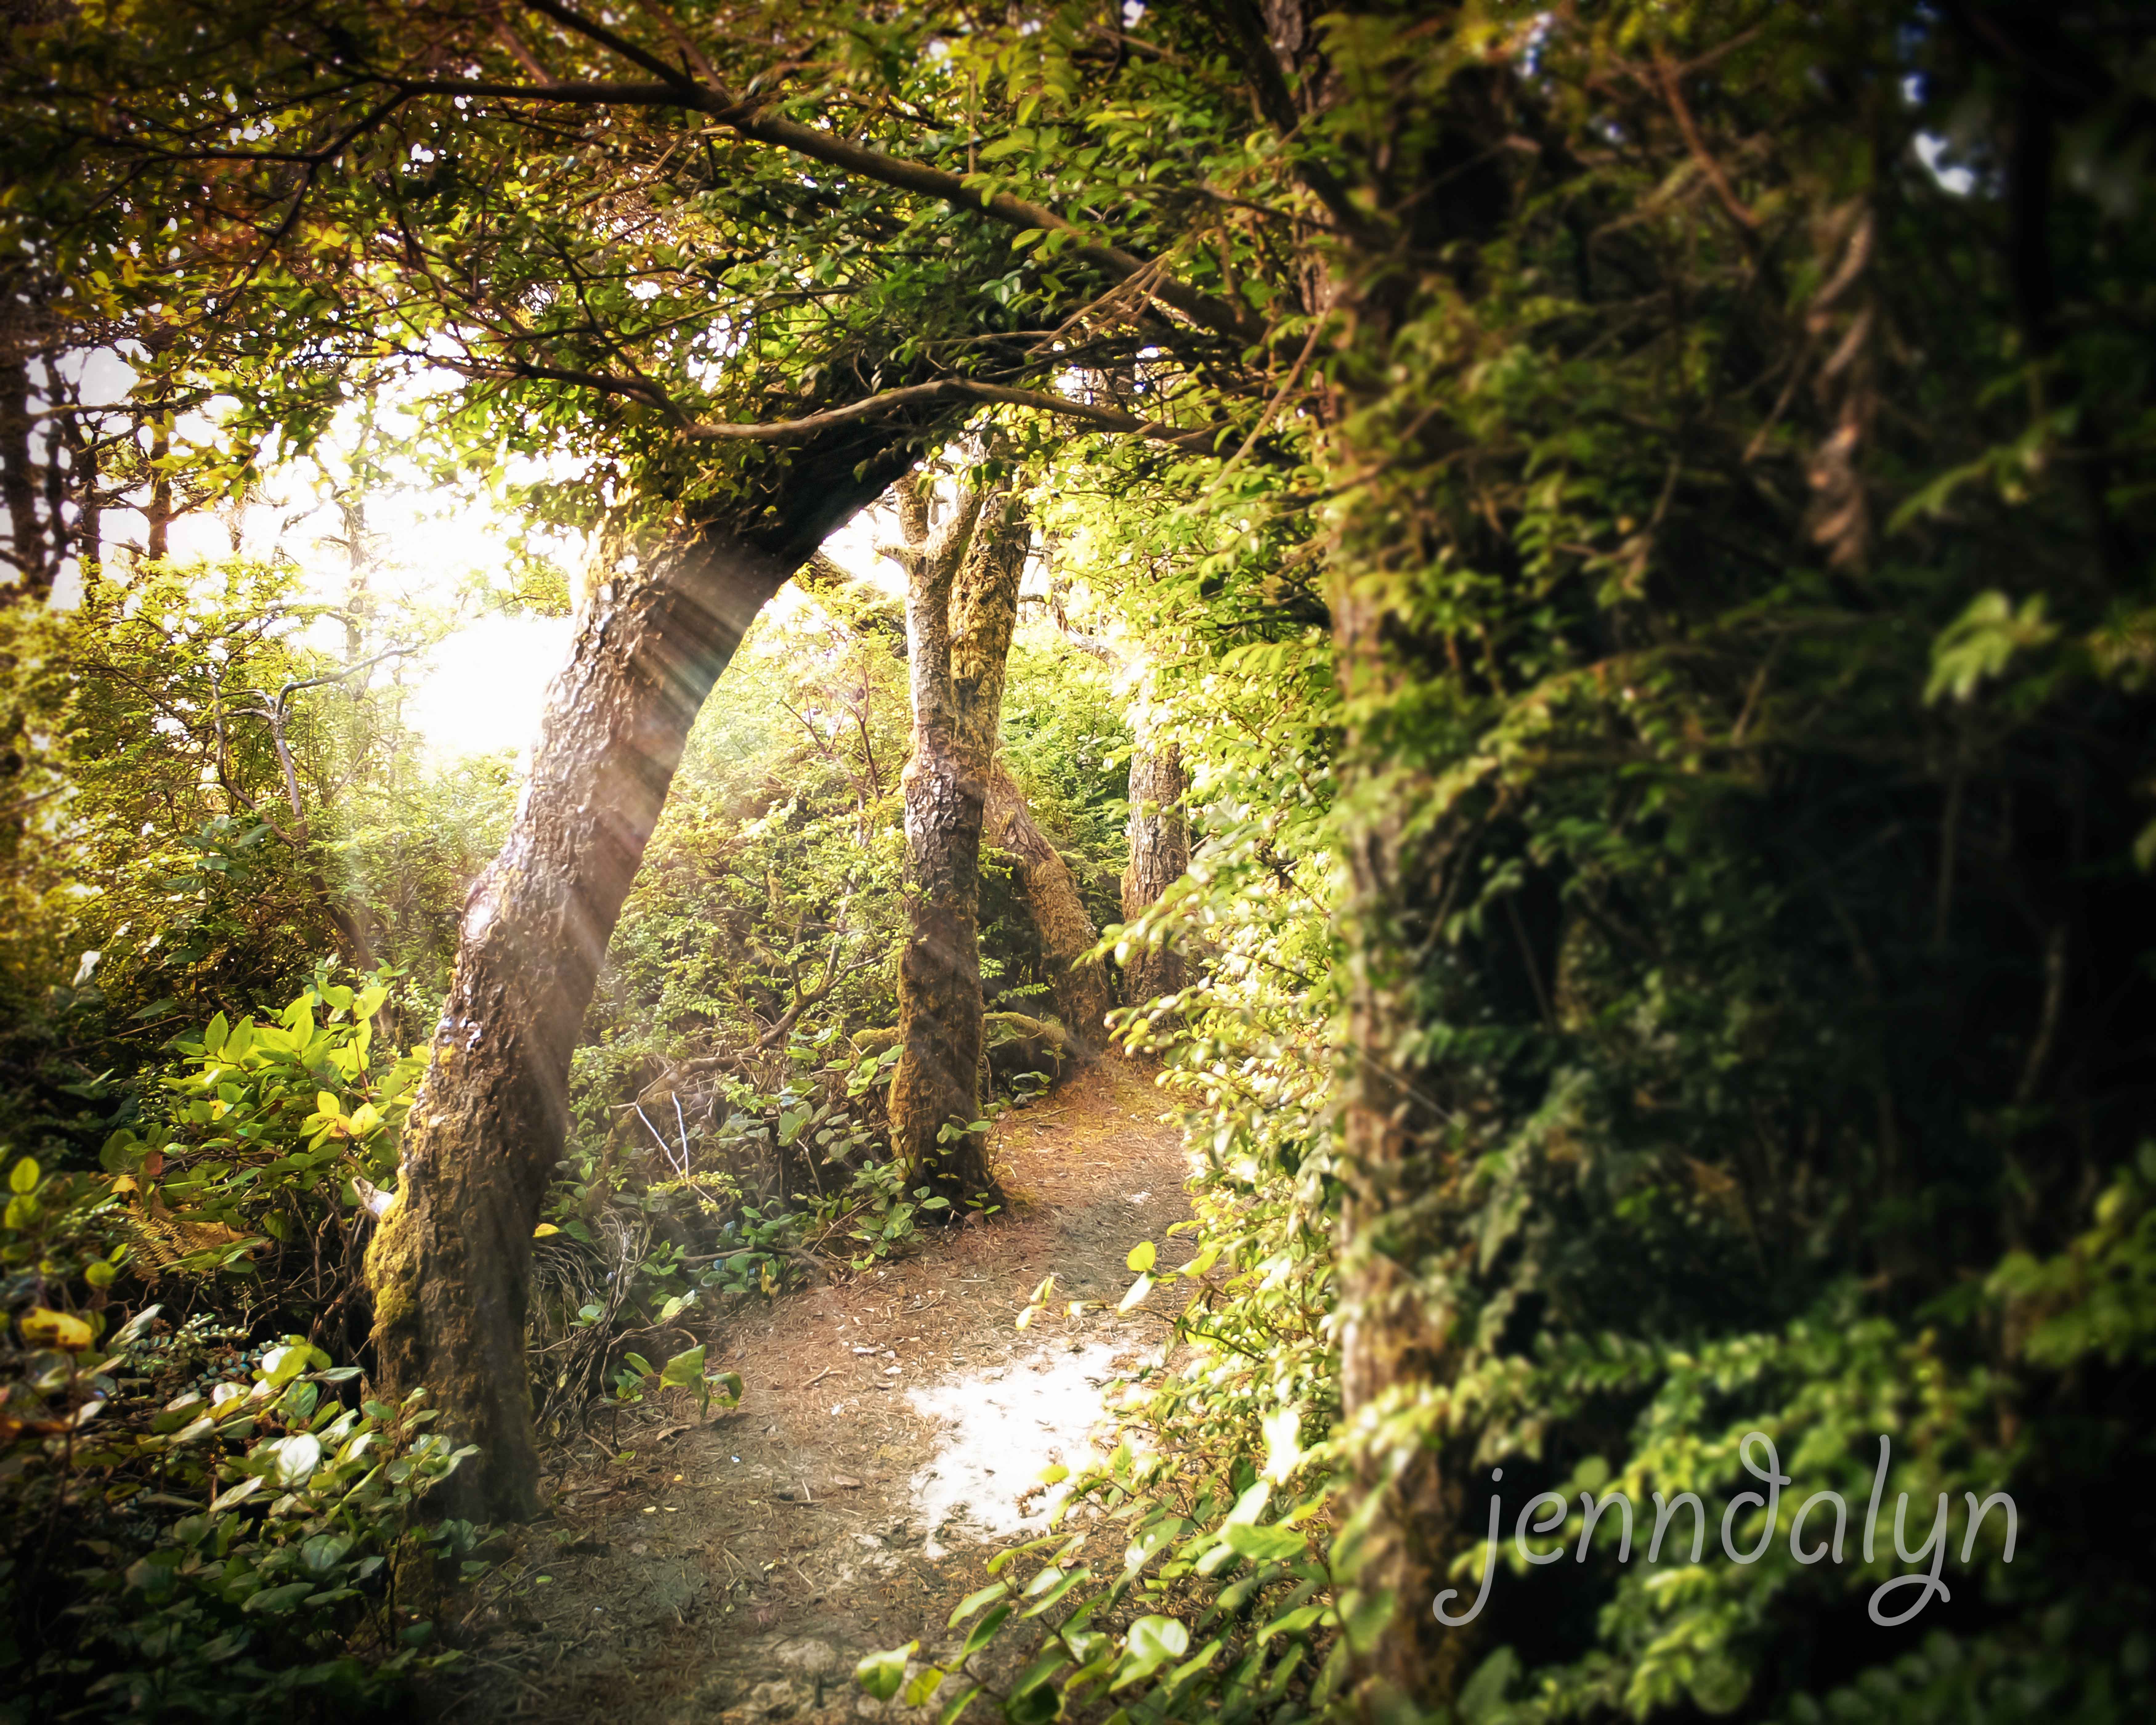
[1754,731]
[1639,517]
[161,867]
[199,1523]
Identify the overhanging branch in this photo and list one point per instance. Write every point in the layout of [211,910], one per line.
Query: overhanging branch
[783,431]
[678,88]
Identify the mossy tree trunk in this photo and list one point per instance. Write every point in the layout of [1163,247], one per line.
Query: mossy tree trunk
[961,602]
[449,1267]
[1398,1168]
[1404,1259]
[1078,986]
[1160,854]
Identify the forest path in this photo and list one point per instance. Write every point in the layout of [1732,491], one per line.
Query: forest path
[887,1442]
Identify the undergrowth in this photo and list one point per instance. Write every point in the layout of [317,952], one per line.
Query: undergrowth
[205,1517]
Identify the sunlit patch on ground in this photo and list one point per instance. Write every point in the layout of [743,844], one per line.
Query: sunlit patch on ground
[894,1425]
[996,1428]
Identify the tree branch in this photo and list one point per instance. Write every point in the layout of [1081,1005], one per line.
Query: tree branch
[949,389]
[677,89]
[290,688]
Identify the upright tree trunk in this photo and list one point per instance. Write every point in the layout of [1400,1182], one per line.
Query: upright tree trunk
[1078,986]
[157,508]
[1399,1237]
[26,545]
[1407,1264]
[449,1266]
[961,602]
[89,535]
[1160,855]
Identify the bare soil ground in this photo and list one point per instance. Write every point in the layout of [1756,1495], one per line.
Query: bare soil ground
[888,1442]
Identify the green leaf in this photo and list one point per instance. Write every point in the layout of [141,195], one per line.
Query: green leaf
[1141,1257]
[1149,1644]
[278,1599]
[1291,1623]
[1983,641]
[922,1685]
[973,1602]
[245,1489]
[1264,1543]
[882,1673]
[1484,1692]
[1034,1704]
[1366,1617]
[685,1367]
[23,1176]
[281,1365]
[984,1632]
[1063,1584]
[1196,1663]
[323,1551]
[296,1457]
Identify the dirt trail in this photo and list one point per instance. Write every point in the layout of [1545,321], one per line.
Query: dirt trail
[887,1442]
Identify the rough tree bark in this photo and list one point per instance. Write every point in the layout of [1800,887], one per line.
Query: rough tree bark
[1080,988]
[1160,853]
[27,550]
[1398,1171]
[961,602]
[449,1266]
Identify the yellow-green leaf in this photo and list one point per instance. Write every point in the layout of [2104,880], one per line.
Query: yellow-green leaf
[43,1328]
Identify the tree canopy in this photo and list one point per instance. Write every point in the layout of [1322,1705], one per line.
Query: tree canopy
[1635,520]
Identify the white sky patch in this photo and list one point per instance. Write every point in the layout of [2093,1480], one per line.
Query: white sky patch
[852,548]
[485,686]
[440,562]
[1931,148]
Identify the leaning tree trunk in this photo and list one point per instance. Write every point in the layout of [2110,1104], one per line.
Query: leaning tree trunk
[449,1266]
[961,602]
[1160,854]
[1078,985]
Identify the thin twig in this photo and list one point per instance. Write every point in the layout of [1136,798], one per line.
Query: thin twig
[1673,91]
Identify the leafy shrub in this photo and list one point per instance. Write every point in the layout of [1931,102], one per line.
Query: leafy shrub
[1187,1573]
[197,1527]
